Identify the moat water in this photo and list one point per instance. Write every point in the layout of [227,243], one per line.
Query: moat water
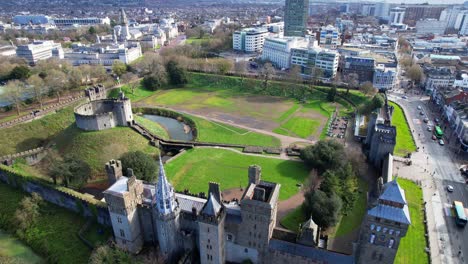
[13,248]
[175,129]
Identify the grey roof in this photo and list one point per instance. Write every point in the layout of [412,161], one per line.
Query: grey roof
[233,213]
[212,207]
[393,192]
[316,255]
[310,224]
[400,215]
[186,202]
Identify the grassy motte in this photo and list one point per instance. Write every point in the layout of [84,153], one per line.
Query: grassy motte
[404,141]
[55,233]
[412,246]
[98,147]
[36,133]
[195,168]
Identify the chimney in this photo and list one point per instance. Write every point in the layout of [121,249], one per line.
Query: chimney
[214,189]
[255,174]
[259,194]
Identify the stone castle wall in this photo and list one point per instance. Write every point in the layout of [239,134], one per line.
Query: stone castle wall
[104,114]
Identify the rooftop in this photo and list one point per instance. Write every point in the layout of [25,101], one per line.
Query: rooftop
[393,192]
[400,215]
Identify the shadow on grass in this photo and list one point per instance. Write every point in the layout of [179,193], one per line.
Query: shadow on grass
[30,143]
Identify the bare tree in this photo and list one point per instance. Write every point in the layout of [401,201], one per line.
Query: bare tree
[14,90]
[37,85]
[267,73]
[415,73]
[352,80]
[56,81]
[317,73]
[131,80]
[368,88]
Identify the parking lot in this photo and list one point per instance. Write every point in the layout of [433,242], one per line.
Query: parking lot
[337,128]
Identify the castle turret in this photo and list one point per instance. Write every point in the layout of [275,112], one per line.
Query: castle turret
[113,170]
[308,233]
[384,226]
[167,213]
[211,228]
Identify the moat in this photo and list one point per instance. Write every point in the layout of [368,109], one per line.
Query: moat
[175,129]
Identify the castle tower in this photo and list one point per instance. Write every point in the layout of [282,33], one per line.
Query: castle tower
[123,110]
[167,213]
[258,212]
[122,199]
[308,233]
[114,171]
[384,226]
[211,228]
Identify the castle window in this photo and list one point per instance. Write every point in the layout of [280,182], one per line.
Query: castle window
[208,241]
[391,242]
[207,247]
[207,256]
[246,250]
[208,230]
[119,220]
[229,237]
[122,233]
[124,241]
[372,238]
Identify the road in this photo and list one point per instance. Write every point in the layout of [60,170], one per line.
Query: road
[436,167]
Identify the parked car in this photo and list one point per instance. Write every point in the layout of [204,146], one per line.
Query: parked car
[437,120]
[421,113]
[404,97]
[426,120]
[429,129]
[434,137]
[419,107]
[441,142]
[449,188]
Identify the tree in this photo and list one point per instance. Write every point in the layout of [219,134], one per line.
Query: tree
[415,73]
[70,170]
[92,30]
[37,85]
[324,155]
[14,90]
[224,66]
[119,68]
[75,78]
[240,68]
[151,83]
[317,73]
[131,80]
[177,75]
[20,72]
[149,64]
[6,68]
[267,73]
[56,81]
[323,208]
[332,94]
[377,102]
[342,182]
[352,80]
[106,254]
[368,88]
[28,211]
[143,165]
[406,61]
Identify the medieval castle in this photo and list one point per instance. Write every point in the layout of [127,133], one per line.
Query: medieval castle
[210,230]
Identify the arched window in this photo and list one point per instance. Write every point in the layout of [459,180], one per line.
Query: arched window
[391,242]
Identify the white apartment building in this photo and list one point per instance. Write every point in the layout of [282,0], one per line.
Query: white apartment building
[103,54]
[86,21]
[431,26]
[461,81]
[249,39]
[397,15]
[40,50]
[316,57]
[329,37]
[278,50]
[461,23]
[385,78]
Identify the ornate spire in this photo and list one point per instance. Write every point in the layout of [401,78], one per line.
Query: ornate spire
[123,17]
[165,198]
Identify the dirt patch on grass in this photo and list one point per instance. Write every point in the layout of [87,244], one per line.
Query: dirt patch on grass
[234,193]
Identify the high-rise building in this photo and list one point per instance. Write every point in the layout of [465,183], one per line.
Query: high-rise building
[329,37]
[249,39]
[397,15]
[40,50]
[295,18]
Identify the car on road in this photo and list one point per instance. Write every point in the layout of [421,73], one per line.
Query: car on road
[434,137]
[441,142]
[419,107]
[429,129]
[404,97]
[437,120]
[449,188]
[421,113]
[426,120]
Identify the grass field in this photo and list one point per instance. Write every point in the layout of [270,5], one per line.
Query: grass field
[347,223]
[209,131]
[34,134]
[98,147]
[195,168]
[153,127]
[198,41]
[302,127]
[412,246]
[13,249]
[139,92]
[55,233]
[404,141]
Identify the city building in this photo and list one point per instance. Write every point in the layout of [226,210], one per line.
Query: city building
[385,78]
[23,20]
[431,26]
[295,18]
[315,57]
[122,31]
[397,15]
[7,51]
[40,50]
[249,39]
[462,23]
[208,227]
[86,21]
[103,53]
[438,77]
[417,12]
[330,37]
[384,226]
[278,50]
[364,67]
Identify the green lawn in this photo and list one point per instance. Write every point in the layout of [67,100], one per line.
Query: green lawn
[13,249]
[195,168]
[347,223]
[197,40]
[153,127]
[34,134]
[98,147]
[412,246]
[303,127]
[209,131]
[404,141]
[139,92]
[288,113]
[54,235]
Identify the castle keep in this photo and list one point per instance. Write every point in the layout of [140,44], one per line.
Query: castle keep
[103,113]
[215,230]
